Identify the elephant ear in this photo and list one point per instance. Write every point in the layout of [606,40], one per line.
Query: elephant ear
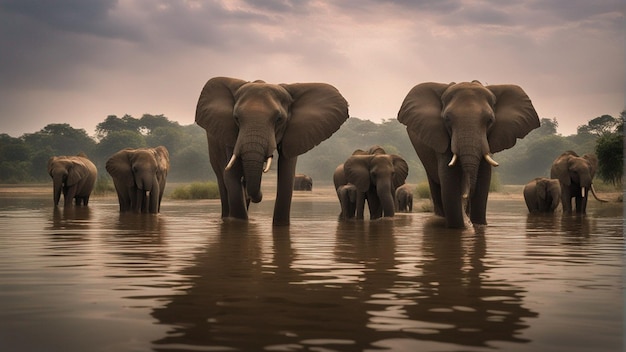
[214,111]
[593,160]
[118,166]
[421,113]
[401,170]
[317,111]
[357,171]
[163,159]
[77,172]
[560,170]
[515,117]
[542,188]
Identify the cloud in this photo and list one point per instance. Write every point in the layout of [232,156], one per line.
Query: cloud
[78,61]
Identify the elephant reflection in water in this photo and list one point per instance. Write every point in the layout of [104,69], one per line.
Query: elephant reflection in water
[455,292]
[245,294]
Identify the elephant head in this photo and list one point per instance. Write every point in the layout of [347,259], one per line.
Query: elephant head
[542,195]
[139,176]
[377,175]
[74,176]
[575,174]
[464,123]
[246,122]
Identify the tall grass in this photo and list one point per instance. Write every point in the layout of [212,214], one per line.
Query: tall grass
[196,190]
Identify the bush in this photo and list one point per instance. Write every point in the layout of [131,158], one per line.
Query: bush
[103,186]
[423,190]
[196,190]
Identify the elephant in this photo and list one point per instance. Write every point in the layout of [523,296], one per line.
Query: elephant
[542,195]
[404,198]
[454,129]
[376,177]
[139,176]
[303,182]
[575,175]
[246,122]
[347,194]
[74,177]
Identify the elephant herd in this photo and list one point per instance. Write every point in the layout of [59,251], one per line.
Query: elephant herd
[570,178]
[139,176]
[453,127]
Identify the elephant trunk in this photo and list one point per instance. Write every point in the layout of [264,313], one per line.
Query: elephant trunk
[254,149]
[470,152]
[153,196]
[386,199]
[57,182]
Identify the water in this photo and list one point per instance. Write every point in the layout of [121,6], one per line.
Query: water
[89,279]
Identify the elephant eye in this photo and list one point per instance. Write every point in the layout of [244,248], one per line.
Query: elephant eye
[236,117]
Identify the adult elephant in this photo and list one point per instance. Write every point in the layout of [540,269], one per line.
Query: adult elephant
[575,175]
[303,182]
[139,176]
[454,129]
[404,198]
[246,122]
[542,195]
[74,177]
[376,176]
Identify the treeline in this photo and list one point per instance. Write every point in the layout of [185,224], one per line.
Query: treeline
[23,159]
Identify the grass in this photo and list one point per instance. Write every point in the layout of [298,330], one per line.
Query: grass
[196,190]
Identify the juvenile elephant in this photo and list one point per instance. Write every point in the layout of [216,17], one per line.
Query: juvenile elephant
[376,177]
[303,182]
[246,122]
[575,174]
[72,176]
[404,198]
[347,195]
[542,195]
[454,129]
[139,176]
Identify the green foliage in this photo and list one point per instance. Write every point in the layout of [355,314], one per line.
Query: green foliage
[104,185]
[196,190]
[610,153]
[24,159]
[423,190]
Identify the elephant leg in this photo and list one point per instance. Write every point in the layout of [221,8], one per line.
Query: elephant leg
[284,189]
[360,205]
[435,195]
[374,204]
[235,192]
[410,203]
[451,194]
[478,200]
[70,196]
[566,200]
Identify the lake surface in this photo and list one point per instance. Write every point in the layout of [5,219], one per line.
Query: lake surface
[90,279]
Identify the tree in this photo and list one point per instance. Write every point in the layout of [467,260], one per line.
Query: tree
[61,139]
[599,126]
[610,153]
[114,124]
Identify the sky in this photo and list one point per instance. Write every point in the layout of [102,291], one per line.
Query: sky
[79,61]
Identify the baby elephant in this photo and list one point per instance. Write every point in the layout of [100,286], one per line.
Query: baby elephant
[542,195]
[404,198]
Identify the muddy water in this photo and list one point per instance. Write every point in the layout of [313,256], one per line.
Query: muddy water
[88,279]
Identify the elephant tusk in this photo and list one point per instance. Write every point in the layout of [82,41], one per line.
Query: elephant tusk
[490,160]
[453,161]
[268,164]
[582,191]
[231,163]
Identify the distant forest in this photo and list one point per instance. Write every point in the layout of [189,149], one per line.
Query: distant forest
[24,159]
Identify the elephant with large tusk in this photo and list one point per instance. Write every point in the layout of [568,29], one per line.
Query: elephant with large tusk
[575,174]
[455,128]
[247,122]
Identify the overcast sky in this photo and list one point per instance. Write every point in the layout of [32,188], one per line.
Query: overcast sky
[78,61]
